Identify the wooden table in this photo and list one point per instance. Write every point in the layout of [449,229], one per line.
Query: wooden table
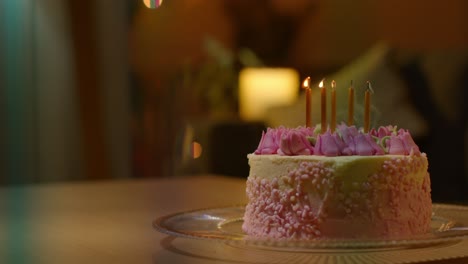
[111,222]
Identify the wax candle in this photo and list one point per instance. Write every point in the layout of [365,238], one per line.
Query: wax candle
[333,106]
[351,105]
[367,103]
[323,96]
[306,86]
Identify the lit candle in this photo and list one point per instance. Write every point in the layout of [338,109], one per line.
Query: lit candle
[323,96]
[306,86]
[351,105]
[333,106]
[367,103]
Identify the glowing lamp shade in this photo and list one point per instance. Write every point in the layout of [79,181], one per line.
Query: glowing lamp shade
[263,88]
[152,3]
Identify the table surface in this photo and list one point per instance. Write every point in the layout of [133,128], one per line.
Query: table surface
[111,222]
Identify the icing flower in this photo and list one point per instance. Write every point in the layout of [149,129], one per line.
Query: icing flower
[269,142]
[402,144]
[366,146]
[408,141]
[347,140]
[384,131]
[271,139]
[306,131]
[330,145]
[347,133]
[294,142]
[395,146]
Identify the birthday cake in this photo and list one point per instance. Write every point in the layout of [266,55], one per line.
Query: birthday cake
[304,184]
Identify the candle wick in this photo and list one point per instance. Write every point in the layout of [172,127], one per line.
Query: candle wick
[369,87]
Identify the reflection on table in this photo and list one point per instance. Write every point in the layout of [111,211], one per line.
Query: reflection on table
[111,222]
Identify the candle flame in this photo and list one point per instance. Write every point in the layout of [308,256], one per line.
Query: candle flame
[306,83]
[321,83]
[333,84]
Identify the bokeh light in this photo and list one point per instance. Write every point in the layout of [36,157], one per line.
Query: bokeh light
[152,3]
[196,150]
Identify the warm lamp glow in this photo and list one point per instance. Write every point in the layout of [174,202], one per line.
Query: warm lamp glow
[152,3]
[263,88]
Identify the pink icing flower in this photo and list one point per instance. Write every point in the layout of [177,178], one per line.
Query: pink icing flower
[306,131]
[395,146]
[401,131]
[408,141]
[366,146]
[384,131]
[271,139]
[269,143]
[349,150]
[330,145]
[373,132]
[294,142]
[347,134]
[402,144]
[346,141]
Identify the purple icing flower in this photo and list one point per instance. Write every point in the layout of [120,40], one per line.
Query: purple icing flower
[346,141]
[408,141]
[347,133]
[349,150]
[330,145]
[269,143]
[306,131]
[366,146]
[402,144]
[396,146]
[294,142]
[401,131]
[384,131]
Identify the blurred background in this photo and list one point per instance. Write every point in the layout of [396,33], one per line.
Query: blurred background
[131,88]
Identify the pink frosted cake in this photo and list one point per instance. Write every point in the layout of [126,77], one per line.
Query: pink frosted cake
[349,184]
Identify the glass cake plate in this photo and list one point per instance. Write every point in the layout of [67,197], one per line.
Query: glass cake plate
[449,225]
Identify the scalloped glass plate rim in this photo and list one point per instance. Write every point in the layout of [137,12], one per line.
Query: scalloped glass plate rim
[450,231]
